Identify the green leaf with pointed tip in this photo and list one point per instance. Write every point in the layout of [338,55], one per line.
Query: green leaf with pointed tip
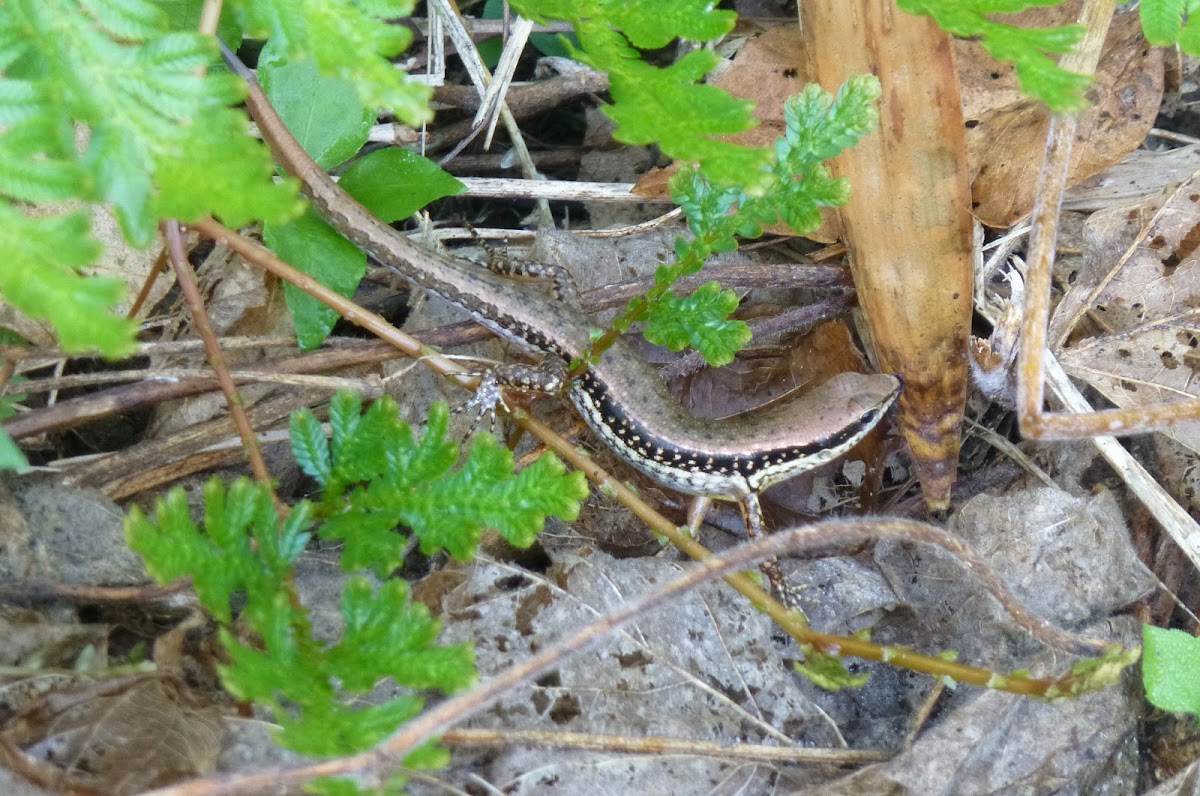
[323,113]
[1171,669]
[395,183]
[309,244]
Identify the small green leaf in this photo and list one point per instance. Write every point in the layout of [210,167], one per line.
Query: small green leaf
[395,183]
[1162,21]
[309,244]
[345,409]
[668,107]
[310,447]
[701,321]
[11,456]
[1171,669]
[827,671]
[386,631]
[324,113]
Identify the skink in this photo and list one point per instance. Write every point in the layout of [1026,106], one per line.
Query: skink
[619,396]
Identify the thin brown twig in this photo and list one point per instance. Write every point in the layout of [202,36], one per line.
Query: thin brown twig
[33,591]
[7,368]
[508,737]
[240,376]
[186,278]
[148,283]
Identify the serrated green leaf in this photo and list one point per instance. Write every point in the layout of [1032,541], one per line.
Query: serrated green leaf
[411,482]
[1171,669]
[126,19]
[172,547]
[387,632]
[668,107]
[362,456]
[340,730]
[395,183]
[369,539]
[196,176]
[652,24]
[20,100]
[278,547]
[1026,48]
[701,321]
[310,447]
[39,276]
[449,515]
[27,174]
[311,245]
[345,409]
[121,176]
[111,66]
[324,113]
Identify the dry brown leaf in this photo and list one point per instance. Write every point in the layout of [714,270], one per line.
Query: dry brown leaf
[1006,133]
[1143,346]
[121,736]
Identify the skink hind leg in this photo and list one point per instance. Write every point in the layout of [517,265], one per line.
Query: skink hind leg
[498,262]
[755,529]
